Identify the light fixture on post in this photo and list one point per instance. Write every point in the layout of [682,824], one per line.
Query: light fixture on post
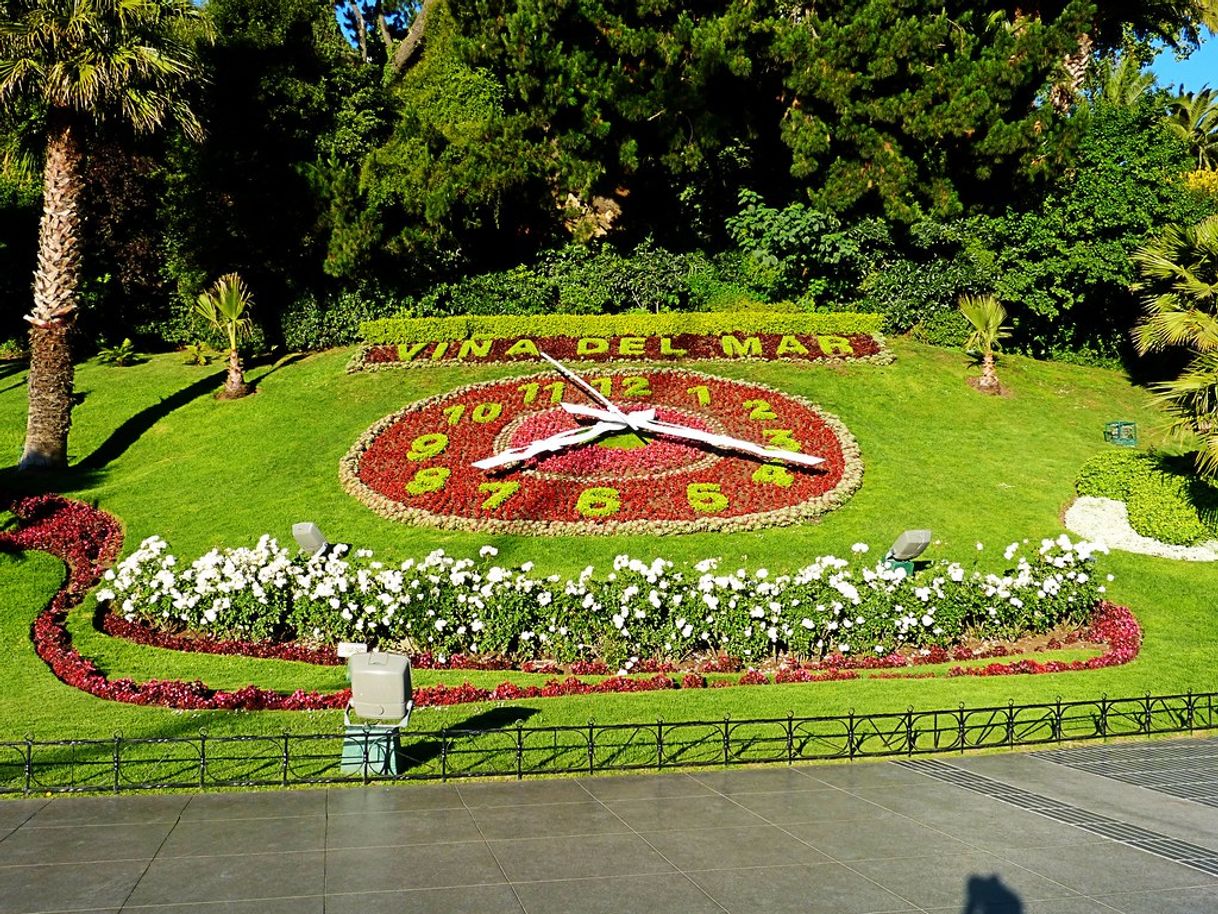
[309,538]
[382,695]
[908,546]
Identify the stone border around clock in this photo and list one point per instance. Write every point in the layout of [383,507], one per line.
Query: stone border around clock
[851,480]
[802,349]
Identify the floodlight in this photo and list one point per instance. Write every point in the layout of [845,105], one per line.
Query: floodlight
[309,538]
[380,687]
[909,545]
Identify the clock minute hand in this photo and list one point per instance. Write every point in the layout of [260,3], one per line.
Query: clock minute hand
[727,442]
[565,439]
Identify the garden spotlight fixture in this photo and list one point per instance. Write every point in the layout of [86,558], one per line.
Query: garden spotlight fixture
[309,538]
[908,546]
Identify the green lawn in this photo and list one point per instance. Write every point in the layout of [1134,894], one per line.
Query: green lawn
[153,447]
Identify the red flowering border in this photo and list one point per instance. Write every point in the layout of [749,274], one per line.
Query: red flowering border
[834,483]
[682,347]
[88,539]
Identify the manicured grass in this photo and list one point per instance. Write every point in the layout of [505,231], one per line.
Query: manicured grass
[154,448]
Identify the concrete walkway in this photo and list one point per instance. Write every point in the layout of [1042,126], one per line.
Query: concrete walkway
[1127,828]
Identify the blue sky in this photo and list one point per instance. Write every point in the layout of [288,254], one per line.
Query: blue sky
[1200,69]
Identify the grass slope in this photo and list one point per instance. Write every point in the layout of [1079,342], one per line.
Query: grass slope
[152,446]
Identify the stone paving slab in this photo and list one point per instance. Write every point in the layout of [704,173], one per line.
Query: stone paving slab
[846,839]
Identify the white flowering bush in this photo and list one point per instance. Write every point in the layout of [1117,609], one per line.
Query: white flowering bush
[450,605]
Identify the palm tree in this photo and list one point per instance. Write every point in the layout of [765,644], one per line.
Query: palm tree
[1180,278]
[1194,119]
[987,316]
[1122,82]
[223,308]
[85,60]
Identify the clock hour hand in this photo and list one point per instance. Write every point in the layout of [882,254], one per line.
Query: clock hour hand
[565,439]
[591,412]
[583,385]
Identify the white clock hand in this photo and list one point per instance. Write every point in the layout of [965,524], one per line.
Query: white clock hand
[727,442]
[639,421]
[564,439]
[582,384]
[632,418]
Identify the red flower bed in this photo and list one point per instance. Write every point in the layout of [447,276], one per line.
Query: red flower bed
[1112,625]
[87,540]
[416,465]
[681,347]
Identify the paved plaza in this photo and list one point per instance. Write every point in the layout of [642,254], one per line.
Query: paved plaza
[1130,828]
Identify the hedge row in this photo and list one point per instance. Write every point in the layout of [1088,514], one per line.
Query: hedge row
[418,329]
[1165,506]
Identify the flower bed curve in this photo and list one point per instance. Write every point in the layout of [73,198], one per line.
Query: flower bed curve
[87,539]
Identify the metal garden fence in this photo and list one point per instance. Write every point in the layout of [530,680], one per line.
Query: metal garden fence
[203,761]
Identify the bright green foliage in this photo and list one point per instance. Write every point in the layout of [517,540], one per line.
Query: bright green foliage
[1160,507]
[1180,280]
[1194,119]
[223,308]
[1108,473]
[1122,81]
[987,318]
[120,355]
[413,329]
[1162,503]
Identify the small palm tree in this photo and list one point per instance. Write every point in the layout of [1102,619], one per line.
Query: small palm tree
[1180,280]
[987,317]
[85,61]
[223,307]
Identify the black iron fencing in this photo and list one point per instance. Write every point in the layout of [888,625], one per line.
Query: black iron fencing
[368,755]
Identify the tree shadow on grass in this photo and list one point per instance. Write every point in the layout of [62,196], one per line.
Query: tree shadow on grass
[422,753]
[136,426]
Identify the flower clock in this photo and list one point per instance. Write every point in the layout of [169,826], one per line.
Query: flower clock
[657,450]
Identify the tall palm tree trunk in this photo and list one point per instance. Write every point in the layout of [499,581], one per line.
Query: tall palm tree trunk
[55,283]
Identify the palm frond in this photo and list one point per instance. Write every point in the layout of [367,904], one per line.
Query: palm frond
[95,56]
[986,315]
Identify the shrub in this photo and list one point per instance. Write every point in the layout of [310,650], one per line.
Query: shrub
[1109,473]
[413,329]
[310,324]
[1162,504]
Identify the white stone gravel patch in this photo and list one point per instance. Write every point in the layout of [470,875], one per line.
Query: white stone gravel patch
[1105,520]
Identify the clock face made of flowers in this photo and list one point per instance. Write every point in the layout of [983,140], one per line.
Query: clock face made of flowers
[682,466]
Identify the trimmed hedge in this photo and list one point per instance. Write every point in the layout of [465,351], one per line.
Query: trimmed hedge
[419,329]
[1162,505]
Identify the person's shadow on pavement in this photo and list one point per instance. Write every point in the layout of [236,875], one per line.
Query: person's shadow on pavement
[987,895]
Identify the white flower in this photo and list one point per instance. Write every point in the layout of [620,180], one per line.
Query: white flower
[980,547]
[488,551]
[859,548]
